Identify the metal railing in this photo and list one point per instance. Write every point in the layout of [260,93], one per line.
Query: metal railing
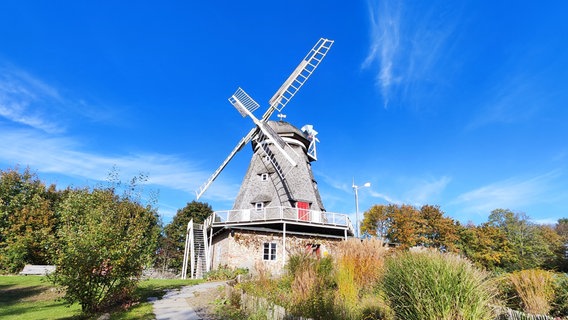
[280,213]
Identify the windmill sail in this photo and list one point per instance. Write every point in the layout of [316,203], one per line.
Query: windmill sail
[246,106]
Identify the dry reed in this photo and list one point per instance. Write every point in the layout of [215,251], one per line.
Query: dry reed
[535,289]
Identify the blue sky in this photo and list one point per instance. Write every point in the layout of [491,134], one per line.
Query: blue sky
[456,104]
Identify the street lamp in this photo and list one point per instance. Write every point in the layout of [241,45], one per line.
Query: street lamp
[356,188]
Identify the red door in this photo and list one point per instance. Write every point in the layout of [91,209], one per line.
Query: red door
[303,211]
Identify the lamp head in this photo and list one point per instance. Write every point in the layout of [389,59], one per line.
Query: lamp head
[368,184]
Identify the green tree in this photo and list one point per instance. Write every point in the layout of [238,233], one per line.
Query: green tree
[176,230]
[105,242]
[376,220]
[485,245]
[28,220]
[561,229]
[528,241]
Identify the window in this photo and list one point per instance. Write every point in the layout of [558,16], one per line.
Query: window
[269,251]
[264,177]
[259,206]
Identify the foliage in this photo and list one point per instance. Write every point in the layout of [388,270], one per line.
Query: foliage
[439,231]
[224,273]
[534,288]
[485,245]
[105,241]
[28,220]
[529,245]
[408,226]
[560,303]
[358,268]
[561,229]
[173,243]
[376,220]
[431,285]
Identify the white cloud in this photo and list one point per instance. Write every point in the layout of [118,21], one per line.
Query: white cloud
[26,100]
[385,42]
[408,44]
[513,193]
[63,156]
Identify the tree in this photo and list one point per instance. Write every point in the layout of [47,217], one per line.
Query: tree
[485,245]
[105,241]
[561,229]
[176,230]
[28,220]
[439,231]
[407,227]
[528,242]
[376,220]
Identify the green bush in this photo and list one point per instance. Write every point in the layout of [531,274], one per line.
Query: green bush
[225,273]
[105,241]
[431,285]
[560,304]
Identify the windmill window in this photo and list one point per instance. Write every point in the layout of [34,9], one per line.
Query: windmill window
[264,177]
[259,206]
[269,251]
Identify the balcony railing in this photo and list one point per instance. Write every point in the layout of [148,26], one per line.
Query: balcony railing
[282,214]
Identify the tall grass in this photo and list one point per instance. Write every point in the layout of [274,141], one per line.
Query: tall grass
[358,268]
[535,289]
[430,285]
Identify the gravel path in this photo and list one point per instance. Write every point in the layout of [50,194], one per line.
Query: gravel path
[188,303]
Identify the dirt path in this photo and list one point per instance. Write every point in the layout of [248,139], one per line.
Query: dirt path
[189,303]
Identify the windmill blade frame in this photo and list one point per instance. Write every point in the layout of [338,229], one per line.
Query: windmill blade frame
[298,77]
[278,101]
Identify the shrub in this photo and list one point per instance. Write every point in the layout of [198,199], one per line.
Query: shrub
[534,289]
[432,285]
[224,273]
[105,242]
[560,304]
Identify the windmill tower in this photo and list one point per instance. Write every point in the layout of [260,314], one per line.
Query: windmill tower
[278,197]
[271,180]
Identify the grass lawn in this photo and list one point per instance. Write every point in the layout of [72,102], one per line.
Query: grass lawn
[34,297]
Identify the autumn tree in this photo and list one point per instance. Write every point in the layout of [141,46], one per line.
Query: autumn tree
[438,231]
[176,230]
[105,242]
[485,245]
[561,229]
[28,220]
[376,220]
[529,242]
[407,227]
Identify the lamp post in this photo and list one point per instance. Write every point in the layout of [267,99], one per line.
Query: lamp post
[356,189]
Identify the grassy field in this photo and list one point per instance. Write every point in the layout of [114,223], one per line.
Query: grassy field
[34,297]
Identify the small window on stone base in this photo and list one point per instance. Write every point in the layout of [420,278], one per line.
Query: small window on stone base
[269,251]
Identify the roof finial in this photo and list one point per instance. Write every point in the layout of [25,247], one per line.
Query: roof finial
[281,116]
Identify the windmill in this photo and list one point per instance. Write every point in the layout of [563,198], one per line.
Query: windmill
[278,149]
[278,204]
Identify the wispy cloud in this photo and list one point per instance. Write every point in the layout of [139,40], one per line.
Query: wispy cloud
[25,100]
[513,99]
[407,44]
[511,193]
[415,191]
[384,17]
[63,155]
